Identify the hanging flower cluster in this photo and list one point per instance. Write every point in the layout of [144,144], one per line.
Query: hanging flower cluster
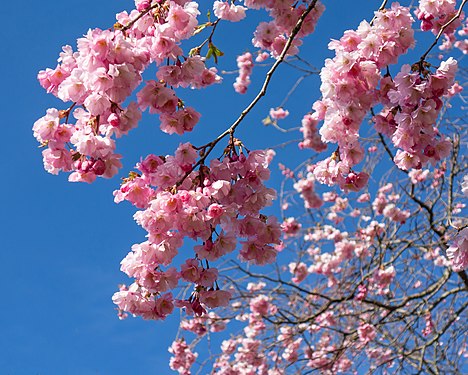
[414,101]
[217,204]
[349,90]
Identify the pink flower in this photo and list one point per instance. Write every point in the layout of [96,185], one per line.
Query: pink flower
[183,20]
[364,198]
[299,270]
[305,187]
[157,98]
[265,34]
[311,137]
[257,252]
[245,65]
[215,210]
[228,11]
[454,90]
[50,79]
[382,279]
[45,128]
[464,185]
[362,292]
[179,122]
[190,271]
[164,305]
[261,305]
[291,226]
[278,113]
[208,277]
[142,5]
[136,191]
[183,357]
[429,328]
[355,182]
[435,14]
[366,333]
[186,154]
[215,298]
[57,160]
[97,104]
[458,252]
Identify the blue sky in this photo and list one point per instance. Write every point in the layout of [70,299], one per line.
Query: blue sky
[63,242]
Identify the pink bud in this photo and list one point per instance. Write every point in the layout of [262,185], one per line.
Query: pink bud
[99,167]
[113,120]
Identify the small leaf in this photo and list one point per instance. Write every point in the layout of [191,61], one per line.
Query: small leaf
[267,121]
[201,27]
[209,53]
[214,52]
[218,52]
[194,51]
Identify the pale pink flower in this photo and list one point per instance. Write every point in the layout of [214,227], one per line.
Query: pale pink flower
[215,298]
[228,11]
[366,333]
[299,270]
[279,113]
[458,252]
[208,277]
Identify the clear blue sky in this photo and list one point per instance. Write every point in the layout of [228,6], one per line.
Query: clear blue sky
[62,243]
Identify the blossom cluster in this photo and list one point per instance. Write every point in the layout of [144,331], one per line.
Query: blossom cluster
[386,204]
[310,134]
[214,205]
[290,227]
[217,204]
[349,89]
[183,357]
[434,14]
[302,323]
[306,344]
[245,65]
[201,325]
[458,252]
[456,39]
[244,354]
[179,196]
[462,42]
[107,67]
[305,187]
[272,36]
[229,11]
[413,102]
[104,71]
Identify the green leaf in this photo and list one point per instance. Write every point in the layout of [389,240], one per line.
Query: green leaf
[209,53]
[214,52]
[201,27]
[194,51]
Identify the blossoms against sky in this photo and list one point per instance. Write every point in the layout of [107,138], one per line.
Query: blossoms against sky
[216,203]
